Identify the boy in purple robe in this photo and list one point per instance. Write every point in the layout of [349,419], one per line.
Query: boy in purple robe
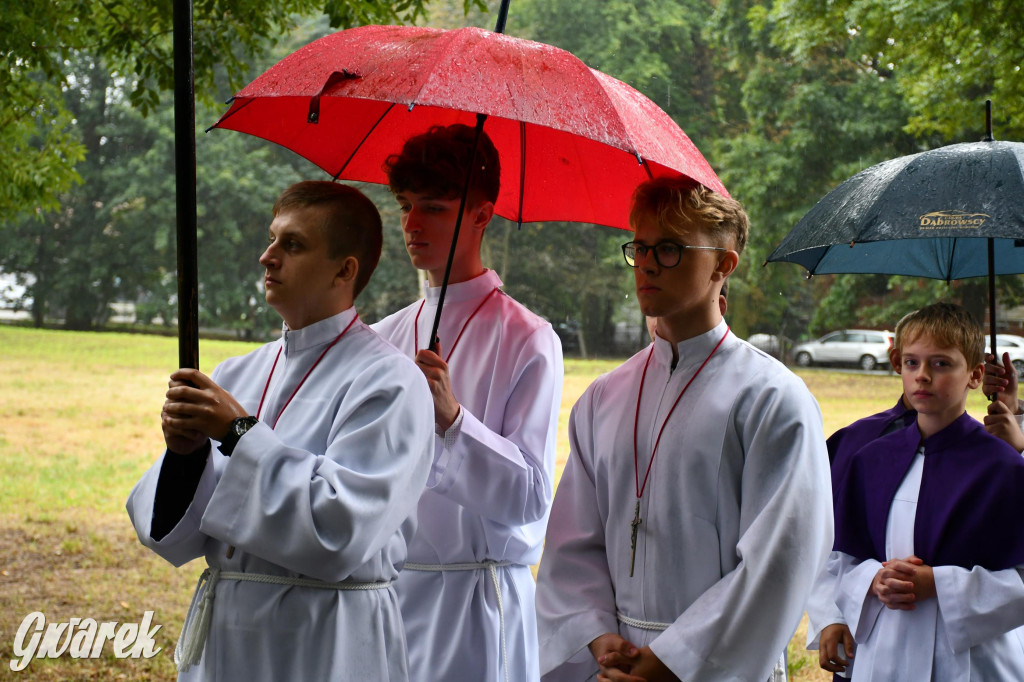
[930,573]
[1002,422]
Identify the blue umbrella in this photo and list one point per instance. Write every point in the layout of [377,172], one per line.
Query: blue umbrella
[949,213]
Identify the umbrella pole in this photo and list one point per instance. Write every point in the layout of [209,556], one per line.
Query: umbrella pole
[992,295]
[991,251]
[992,305]
[185,186]
[499,26]
[434,341]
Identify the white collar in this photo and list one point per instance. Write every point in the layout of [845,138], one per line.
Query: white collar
[318,333]
[692,351]
[478,287]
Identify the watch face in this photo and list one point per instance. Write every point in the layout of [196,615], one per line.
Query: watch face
[243,424]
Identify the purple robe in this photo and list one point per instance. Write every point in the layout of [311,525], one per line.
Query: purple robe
[969,507]
[849,439]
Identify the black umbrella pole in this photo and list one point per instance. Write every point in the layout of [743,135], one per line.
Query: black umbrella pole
[499,26]
[185,186]
[992,296]
[991,258]
[434,341]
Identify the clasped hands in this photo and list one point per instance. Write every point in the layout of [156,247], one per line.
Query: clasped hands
[900,583]
[196,409]
[621,661]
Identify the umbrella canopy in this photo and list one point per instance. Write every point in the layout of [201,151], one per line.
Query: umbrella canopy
[920,215]
[950,213]
[573,142]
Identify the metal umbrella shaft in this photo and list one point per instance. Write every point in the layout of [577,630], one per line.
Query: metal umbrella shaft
[185,186]
[480,118]
[992,294]
[991,248]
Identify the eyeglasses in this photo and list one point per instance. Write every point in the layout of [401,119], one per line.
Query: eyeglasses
[666,253]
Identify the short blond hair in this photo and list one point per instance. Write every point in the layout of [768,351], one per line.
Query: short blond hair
[948,325]
[680,205]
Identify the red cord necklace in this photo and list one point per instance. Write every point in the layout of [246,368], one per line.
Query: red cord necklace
[310,371]
[640,487]
[416,323]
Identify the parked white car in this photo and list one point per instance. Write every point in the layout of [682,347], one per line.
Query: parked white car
[866,348]
[769,343]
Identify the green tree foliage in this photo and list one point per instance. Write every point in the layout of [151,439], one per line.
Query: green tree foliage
[657,47]
[38,134]
[805,121]
[85,254]
[80,247]
[947,56]
[40,148]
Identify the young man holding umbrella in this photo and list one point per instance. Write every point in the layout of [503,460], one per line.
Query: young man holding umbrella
[683,542]
[467,593]
[294,469]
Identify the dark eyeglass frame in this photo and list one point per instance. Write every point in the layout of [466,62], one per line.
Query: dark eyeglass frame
[642,250]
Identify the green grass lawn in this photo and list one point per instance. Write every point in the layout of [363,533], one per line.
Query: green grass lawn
[79,423]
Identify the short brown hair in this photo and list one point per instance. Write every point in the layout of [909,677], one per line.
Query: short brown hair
[436,163]
[949,325]
[679,204]
[351,224]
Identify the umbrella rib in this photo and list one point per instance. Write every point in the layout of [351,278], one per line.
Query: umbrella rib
[611,103]
[949,264]
[363,141]
[229,113]
[451,38]
[522,170]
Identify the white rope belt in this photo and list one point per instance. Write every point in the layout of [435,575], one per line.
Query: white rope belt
[491,567]
[193,635]
[641,624]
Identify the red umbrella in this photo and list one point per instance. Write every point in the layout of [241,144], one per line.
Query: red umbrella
[574,142]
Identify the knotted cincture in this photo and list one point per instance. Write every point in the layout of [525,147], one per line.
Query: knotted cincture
[196,629]
[192,639]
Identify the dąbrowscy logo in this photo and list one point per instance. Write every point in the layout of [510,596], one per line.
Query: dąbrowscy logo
[952,220]
[82,638]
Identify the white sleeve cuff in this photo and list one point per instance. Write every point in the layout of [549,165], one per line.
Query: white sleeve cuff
[449,436]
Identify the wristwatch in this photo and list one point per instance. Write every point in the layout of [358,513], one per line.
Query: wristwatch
[237,429]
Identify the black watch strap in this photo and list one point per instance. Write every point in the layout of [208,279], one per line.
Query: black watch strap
[237,429]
